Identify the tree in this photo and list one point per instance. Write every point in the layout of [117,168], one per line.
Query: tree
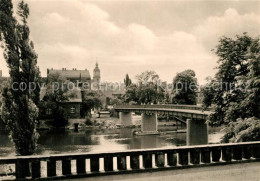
[185,88]
[251,103]
[57,93]
[131,94]
[146,91]
[147,77]
[235,97]
[19,110]
[149,94]
[2,85]
[127,80]
[91,99]
[227,92]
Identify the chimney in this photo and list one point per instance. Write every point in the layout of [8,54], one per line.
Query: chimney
[1,74]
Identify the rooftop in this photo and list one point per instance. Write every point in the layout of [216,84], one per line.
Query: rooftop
[73,74]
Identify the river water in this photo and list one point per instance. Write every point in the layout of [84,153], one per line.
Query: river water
[98,140]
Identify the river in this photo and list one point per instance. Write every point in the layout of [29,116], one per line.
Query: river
[97,140]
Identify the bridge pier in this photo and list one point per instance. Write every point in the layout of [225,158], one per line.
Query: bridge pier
[149,123]
[197,132]
[126,118]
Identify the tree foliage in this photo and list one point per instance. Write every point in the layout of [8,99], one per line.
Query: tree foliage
[146,91]
[19,110]
[91,100]
[54,99]
[147,77]
[242,130]
[185,88]
[234,92]
[127,80]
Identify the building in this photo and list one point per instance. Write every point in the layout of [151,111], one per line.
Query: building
[73,106]
[81,79]
[76,76]
[82,82]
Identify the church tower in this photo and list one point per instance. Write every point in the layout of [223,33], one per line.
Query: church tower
[96,75]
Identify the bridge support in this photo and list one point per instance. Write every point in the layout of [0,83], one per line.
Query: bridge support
[149,123]
[197,132]
[126,118]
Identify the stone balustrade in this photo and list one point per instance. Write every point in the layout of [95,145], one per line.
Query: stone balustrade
[142,160]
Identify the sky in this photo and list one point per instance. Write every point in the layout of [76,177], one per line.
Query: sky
[134,36]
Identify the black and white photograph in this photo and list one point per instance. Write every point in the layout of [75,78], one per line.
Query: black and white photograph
[140,90]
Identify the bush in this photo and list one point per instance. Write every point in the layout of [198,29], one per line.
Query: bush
[88,122]
[242,131]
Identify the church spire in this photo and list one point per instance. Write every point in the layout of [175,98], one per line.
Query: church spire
[96,76]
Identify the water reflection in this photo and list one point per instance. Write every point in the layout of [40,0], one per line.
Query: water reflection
[67,141]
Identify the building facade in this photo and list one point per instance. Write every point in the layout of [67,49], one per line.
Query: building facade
[82,82]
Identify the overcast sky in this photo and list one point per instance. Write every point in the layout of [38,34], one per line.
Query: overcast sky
[134,36]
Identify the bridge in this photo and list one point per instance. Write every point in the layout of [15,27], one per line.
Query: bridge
[197,128]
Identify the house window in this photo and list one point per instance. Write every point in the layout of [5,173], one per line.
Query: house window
[72,110]
[48,111]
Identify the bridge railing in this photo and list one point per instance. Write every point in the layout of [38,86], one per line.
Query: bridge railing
[166,106]
[90,164]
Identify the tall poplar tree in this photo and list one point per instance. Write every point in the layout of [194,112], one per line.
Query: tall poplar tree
[127,80]
[19,110]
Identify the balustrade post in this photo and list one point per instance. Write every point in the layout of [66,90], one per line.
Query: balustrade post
[51,168]
[121,162]
[94,164]
[183,157]
[160,159]
[226,154]
[108,163]
[148,160]
[256,151]
[22,169]
[205,155]
[134,162]
[172,159]
[216,154]
[81,165]
[237,153]
[66,167]
[247,153]
[195,156]
[36,169]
